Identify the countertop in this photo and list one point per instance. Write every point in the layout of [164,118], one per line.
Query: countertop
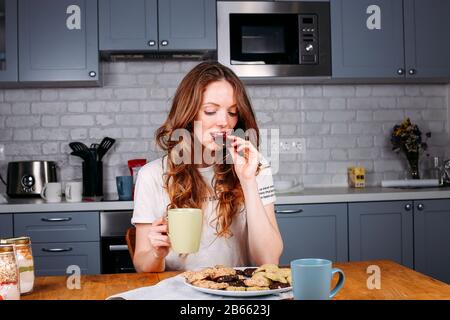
[306,196]
[398,283]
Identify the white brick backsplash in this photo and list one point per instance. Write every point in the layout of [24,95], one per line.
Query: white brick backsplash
[48,107]
[338,103]
[130,93]
[339,128]
[388,165]
[78,134]
[51,134]
[434,114]
[99,133]
[104,120]
[412,102]
[146,79]
[313,91]
[104,93]
[365,141]
[22,135]
[388,115]
[342,141]
[339,116]
[339,154]
[363,91]
[95,106]
[314,116]
[334,91]
[76,107]
[6,134]
[77,120]
[388,91]
[130,132]
[114,79]
[365,128]
[315,167]
[23,149]
[5,108]
[77,94]
[19,95]
[287,104]
[362,103]
[49,95]
[363,154]
[22,121]
[343,124]
[21,108]
[50,148]
[129,106]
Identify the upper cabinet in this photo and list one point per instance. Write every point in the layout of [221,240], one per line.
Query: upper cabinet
[8,41]
[390,39]
[58,42]
[151,25]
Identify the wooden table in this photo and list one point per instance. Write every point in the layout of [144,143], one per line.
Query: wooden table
[397,282]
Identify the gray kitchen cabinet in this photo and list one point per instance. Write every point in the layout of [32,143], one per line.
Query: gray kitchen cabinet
[391,40]
[151,25]
[381,230]
[55,258]
[313,231]
[62,239]
[432,238]
[58,42]
[8,41]
[6,225]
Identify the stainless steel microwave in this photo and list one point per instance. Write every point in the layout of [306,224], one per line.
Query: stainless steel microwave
[275,39]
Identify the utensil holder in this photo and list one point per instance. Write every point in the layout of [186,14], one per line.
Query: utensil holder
[92,178]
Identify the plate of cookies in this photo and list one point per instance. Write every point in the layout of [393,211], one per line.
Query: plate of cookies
[240,282]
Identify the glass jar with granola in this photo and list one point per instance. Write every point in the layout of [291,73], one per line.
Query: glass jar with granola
[9,273]
[25,262]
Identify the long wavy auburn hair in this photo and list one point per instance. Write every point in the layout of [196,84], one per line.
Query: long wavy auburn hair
[183,182]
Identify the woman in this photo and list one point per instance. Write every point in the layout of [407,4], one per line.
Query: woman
[237,197]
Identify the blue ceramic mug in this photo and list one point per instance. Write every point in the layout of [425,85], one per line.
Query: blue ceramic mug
[311,279]
[125,187]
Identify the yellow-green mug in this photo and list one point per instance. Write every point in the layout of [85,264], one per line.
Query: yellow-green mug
[185,229]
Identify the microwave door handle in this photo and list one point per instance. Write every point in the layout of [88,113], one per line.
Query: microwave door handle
[118,247]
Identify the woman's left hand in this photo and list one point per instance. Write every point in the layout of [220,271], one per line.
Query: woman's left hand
[245,165]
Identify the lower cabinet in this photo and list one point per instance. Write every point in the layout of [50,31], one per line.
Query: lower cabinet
[313,231]
[62,241]
[381,230]
[432,238]
[6,225]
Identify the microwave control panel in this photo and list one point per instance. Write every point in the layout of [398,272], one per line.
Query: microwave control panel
[309,39]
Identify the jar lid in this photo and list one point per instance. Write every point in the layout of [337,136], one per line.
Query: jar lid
[19,240]
[6,248]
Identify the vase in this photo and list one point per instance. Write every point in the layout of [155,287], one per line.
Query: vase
[413,162]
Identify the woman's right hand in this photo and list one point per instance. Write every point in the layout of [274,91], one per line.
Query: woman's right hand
[159,239]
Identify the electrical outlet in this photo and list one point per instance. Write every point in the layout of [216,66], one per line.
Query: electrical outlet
[2,152]
[292,145]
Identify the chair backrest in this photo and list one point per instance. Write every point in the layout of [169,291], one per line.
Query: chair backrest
[131,240]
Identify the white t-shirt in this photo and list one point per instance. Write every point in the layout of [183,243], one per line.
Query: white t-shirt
[151,201]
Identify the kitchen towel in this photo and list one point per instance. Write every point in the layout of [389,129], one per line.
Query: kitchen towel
[410,183]
[175,289]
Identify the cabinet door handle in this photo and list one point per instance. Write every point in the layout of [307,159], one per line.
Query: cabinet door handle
[289,211]
[164,43]
[412,71]
[151,43]
[56,219]
[400,71]
[92,74]
[57,249]
[420,207]
[408,207]
[118,247]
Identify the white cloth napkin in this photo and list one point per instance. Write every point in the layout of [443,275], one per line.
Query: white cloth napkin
[175,289]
